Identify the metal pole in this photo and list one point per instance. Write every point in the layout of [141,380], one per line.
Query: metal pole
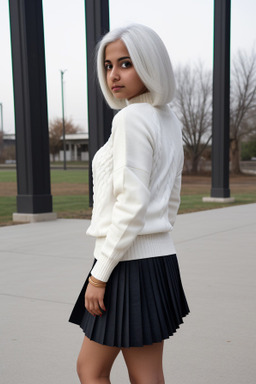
[31,120]
[221,92]
[99,114]
[63,122]
[2,121]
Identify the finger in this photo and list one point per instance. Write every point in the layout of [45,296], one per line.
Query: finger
[93,307]
[102,305]
[89,306]
[94,300]
[97,310]
[88,302]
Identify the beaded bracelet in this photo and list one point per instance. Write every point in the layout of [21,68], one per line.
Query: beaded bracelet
[96,284]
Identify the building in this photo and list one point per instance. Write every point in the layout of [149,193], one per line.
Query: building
[7,148]
[76,147]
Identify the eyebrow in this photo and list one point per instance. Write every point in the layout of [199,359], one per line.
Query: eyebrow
[120,59]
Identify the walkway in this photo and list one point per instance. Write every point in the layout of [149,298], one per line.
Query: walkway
[43,266]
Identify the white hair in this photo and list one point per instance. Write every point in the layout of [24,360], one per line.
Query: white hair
[150,59]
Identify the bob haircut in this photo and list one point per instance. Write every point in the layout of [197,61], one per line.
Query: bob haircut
[150,59]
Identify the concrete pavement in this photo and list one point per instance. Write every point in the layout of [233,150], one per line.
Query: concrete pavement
[43,266]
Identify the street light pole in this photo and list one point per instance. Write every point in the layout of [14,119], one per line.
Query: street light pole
[2,120]
[63,122]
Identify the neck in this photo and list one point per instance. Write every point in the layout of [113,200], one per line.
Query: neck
[143,98]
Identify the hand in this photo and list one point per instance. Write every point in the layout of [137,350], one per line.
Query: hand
[94,300]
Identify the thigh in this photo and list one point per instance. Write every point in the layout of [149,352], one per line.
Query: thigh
[95,360]
[145,363]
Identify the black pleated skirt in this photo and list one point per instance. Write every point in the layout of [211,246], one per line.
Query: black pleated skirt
[145,304]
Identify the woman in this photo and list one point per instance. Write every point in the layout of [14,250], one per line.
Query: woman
[133,298]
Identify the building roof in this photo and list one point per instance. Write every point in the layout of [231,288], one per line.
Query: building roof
[76,136]
[9,136]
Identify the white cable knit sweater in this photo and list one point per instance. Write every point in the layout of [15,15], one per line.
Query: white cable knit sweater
[137,180]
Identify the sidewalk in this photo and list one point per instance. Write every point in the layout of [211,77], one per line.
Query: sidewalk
[43,267]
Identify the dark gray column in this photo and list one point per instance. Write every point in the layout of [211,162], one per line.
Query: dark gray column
[99,114]
[221,92]
[32,139]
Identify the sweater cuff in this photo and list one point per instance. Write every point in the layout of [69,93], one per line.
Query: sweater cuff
[103,268]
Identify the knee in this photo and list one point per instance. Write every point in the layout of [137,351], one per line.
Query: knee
[90,374]
[83,370]
[140,378]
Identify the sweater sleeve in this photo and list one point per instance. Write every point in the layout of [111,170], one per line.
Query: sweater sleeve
[174,200]
[132,163]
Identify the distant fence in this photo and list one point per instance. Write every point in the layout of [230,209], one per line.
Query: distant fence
[246,166]
[249,166]
[206,166]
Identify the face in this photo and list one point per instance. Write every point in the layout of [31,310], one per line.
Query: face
[122,79]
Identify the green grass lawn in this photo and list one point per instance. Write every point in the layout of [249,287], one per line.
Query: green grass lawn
[71,200]
[194,203]
[57,176]
[69,206]
[7,176]
[69,176]
[72,206]
[7,207]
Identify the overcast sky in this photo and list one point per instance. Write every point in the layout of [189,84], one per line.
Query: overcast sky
[186,27]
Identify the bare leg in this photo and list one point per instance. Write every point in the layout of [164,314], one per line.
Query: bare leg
[145,364]
[94,362]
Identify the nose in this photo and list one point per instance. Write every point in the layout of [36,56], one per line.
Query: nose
[114,74]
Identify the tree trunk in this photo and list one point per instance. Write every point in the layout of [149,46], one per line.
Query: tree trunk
[194,164]
[235,157]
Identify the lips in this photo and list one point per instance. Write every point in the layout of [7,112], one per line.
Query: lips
[116,88]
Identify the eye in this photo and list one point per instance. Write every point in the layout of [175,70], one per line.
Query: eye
[126,64]
[108,66]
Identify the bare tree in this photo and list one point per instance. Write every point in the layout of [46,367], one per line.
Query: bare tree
[56,132]
[242,104]
[194,107]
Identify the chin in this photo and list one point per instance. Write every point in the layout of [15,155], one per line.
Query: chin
[119,97]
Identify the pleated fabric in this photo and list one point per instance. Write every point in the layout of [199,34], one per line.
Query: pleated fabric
[145,304]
